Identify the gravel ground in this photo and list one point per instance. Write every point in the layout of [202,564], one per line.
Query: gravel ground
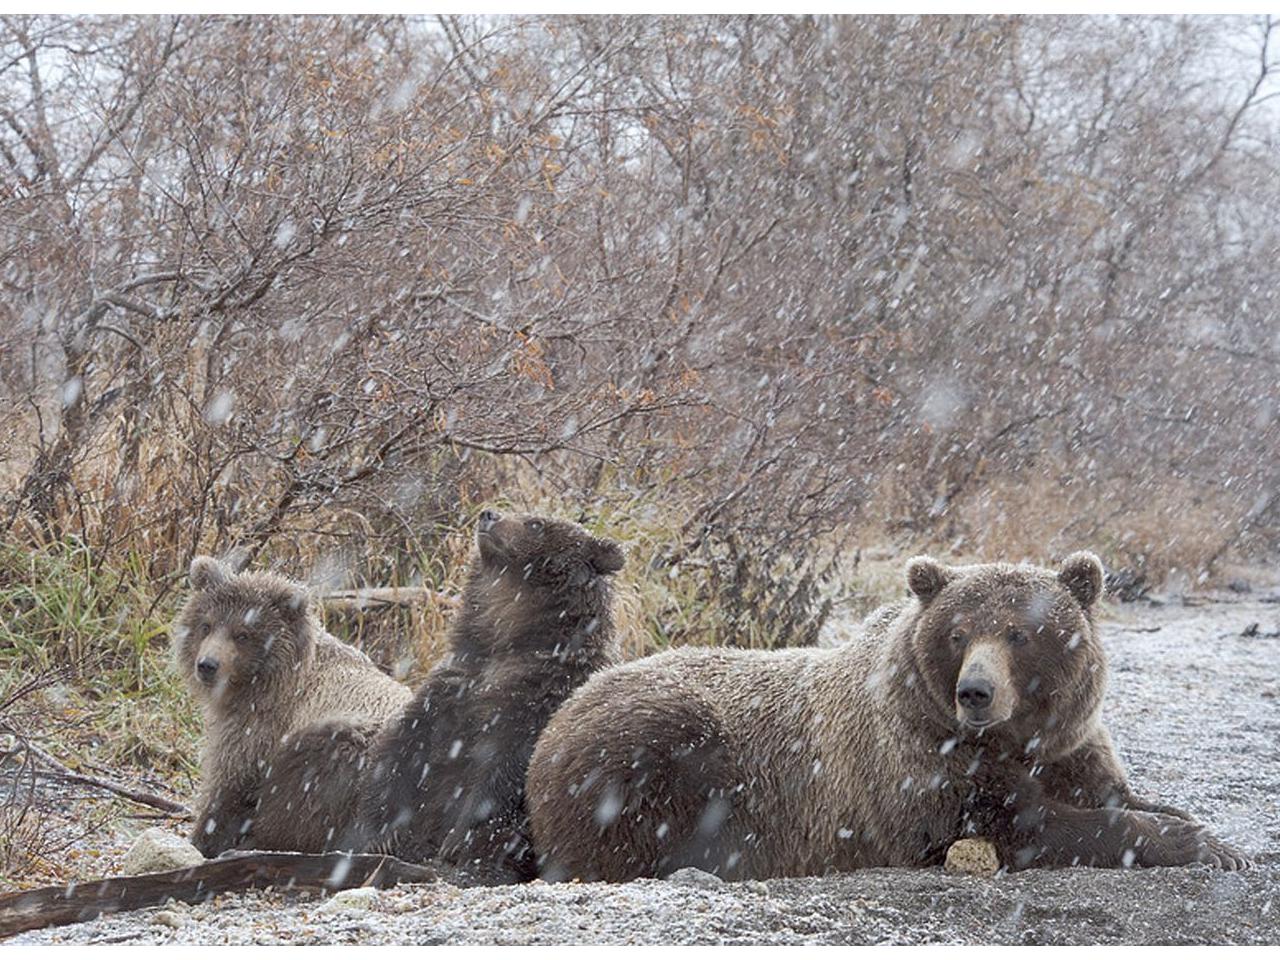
[1194,706]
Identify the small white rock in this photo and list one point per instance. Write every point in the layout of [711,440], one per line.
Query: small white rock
[170,918]
[693,877]
[974,855]
[157,851]
[357,898]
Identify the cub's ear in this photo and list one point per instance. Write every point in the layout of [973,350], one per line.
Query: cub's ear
[296,601]
[1082,575]
[607,557]
[207,573]
[926,577]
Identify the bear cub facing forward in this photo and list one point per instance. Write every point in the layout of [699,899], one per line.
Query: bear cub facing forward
[447,777]
[971,709]
[289,712]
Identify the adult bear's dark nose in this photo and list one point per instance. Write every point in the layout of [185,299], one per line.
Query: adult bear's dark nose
[207,669]
[975,693]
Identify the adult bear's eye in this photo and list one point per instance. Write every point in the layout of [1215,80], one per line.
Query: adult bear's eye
[1017,638]
[202,631]
[534,525]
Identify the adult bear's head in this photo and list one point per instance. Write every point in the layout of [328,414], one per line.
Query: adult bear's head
[1010,652]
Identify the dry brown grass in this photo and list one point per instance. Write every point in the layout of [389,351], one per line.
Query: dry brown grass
[1150,526]
[1160,529]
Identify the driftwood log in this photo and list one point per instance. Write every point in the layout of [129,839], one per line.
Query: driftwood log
[73,903]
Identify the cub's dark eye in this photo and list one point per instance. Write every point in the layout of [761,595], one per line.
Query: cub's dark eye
[534,525]
[958,639]
[243,638]
[1017,638]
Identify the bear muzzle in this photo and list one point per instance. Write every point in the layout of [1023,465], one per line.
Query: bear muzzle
[215,661]
[984,689]
[492,531]
[974,694]
[488,519]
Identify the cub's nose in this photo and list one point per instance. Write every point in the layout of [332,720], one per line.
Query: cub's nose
[207,669]
[975,693]
[488,518]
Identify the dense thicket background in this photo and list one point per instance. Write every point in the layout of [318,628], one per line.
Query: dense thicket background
[749,293]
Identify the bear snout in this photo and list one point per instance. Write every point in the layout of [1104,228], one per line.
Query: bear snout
[207,669]
[497,537]
[984,688]
[216,660]
[975,693]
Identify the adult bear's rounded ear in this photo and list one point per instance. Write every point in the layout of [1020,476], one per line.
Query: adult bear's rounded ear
[206,573]
[1082,575]
[926,577]
[607,557]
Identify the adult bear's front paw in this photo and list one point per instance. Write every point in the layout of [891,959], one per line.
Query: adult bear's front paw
[1132,802]
[1172,842]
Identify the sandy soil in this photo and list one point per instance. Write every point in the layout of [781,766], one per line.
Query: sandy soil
[1194,706]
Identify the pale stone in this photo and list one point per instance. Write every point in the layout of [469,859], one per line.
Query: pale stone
[170,918]
[357,898]
[693,877]
[973,855]
[158,851]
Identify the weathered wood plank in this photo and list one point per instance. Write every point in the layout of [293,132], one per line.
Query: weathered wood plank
[73,903]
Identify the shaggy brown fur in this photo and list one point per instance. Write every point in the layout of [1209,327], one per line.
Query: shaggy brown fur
[448,775]
[265,674]
[972,708]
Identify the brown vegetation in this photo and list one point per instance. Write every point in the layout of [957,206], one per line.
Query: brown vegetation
[278,282]
[746,293]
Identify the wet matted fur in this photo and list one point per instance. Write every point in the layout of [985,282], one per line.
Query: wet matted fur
[972,708]
[447,779]
[271,779]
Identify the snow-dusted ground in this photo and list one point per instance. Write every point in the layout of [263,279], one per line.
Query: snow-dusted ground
[1194,706]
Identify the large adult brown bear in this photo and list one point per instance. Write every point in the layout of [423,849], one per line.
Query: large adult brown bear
[447,776]
[290,712]
[973,708]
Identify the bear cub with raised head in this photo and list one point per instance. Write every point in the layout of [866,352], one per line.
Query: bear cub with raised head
[971,709]
[447,776]
[289,712]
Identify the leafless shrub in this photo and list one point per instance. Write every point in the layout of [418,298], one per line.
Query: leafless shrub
[317,285]
[32,830]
